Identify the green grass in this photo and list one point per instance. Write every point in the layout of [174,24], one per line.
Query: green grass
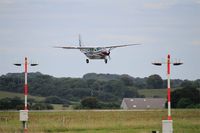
[154,92]
[4,94]
[184,121]
[60,107]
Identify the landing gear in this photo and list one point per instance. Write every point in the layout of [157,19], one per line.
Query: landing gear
[87,60]
[106,61]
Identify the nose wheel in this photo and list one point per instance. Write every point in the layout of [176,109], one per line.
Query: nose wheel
[106,61]
[87,60]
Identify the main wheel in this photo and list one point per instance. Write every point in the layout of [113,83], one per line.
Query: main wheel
[106,61]
[87,60]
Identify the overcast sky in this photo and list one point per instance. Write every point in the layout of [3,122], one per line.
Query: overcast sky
[32,27]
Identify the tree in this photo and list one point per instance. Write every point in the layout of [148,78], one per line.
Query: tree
[127,80]
[182,97]
[184,103]
[196,83]
[107,97]
[11,103]
[186,83]
[90,103]
[131,93]
[154,82]
[115,87]
[81,92]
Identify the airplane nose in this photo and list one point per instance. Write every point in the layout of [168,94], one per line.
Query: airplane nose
[106,53]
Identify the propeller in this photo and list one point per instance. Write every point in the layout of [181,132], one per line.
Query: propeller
[109,54]
[109,57]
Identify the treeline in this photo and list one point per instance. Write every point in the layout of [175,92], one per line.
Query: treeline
[70,89]
[108,89]
[17,103]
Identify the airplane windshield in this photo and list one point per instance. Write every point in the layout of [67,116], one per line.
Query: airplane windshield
[98,49]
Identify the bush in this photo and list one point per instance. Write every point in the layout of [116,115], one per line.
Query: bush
[184,103]
[11,103]
[41,106]
[90,103]
[103,105]
[77,106]
[182,98]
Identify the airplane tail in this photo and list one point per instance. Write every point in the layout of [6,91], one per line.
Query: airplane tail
[79,37]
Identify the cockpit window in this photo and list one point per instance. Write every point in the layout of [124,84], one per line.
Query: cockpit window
[98,49]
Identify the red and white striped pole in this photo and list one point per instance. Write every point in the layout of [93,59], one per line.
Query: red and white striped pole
[167,124]
[25,92]
[168,88]
[169,62]
[26,84]
[24,113]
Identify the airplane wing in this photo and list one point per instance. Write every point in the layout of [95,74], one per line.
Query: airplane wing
[116,46]
[69,47]
[83,47]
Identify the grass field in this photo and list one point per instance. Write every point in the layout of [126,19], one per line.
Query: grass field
[184,121]
[4,94]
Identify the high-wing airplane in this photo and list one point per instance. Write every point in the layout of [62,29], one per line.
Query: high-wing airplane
[95,52]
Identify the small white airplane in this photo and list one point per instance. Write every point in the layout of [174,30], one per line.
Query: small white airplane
[95,52]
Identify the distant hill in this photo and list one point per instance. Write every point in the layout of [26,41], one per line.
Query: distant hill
[106,87]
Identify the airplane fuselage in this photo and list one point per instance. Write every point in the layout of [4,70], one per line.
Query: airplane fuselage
[96,53]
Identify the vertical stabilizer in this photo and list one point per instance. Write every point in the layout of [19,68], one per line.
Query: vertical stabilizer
[79,38]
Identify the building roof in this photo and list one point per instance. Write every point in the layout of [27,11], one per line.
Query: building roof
[143,103]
